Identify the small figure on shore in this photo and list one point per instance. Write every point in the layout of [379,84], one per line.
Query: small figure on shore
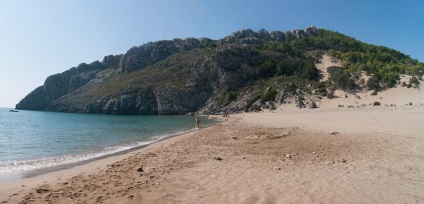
[197,121]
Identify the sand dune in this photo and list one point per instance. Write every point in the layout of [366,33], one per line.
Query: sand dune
[325,62]
[373,155]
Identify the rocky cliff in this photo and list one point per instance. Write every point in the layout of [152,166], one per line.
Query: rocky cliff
[177,85]
[241,72]
[65,83]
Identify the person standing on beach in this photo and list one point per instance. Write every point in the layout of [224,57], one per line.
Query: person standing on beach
[197,121]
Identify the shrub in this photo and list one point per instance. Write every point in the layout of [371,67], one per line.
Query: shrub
[403,84]
[414,81]
[341,78]
[267,68]
[308,69]
[388,78]
[330,94]
[269,95]
[303,67]
[334,70]
[300,104]
[281,101]
[372,84]
[376,103]
[255,108]
[317,55]
[322,89]
[226,98]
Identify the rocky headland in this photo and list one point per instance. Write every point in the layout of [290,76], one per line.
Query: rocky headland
[246,71]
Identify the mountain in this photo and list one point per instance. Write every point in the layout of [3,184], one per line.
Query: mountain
[245,71]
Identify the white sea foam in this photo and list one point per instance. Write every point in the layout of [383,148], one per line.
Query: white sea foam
[40,163]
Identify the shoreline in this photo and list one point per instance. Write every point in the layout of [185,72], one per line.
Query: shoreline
[284,156]
[46,170]
[38,171]
[85,167]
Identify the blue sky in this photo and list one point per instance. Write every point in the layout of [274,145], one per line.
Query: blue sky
[45,37]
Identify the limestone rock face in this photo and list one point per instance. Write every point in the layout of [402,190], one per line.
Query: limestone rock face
[152,52]
[79,80]
[278,35]
[236,64]
[111,60]
[58,85]
[36,100]
[147,54]
[249,36]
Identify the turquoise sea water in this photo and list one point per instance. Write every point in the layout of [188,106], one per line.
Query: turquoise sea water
[34,140]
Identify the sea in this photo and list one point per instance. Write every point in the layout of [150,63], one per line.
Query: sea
[35,142]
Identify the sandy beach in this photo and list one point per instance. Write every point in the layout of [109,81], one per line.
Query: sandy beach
[369,154]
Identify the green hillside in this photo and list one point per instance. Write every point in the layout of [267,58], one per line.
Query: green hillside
[246,71]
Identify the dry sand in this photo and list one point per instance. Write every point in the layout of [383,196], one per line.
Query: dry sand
[325,62]
[374,155]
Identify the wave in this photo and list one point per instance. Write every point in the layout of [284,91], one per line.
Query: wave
[48,162]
